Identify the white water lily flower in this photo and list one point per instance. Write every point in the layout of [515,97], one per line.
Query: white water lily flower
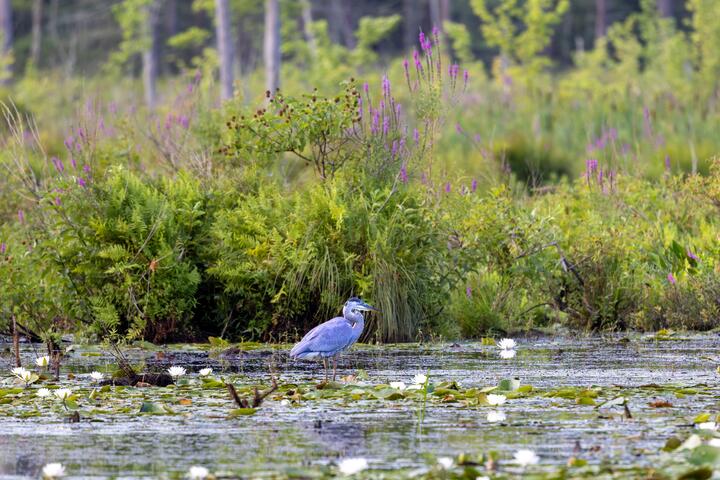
[507,344]
[707,426]
[198,473]
[398,385]
[495,400]
[43,392]
[526,457]
[205,372]
[419,379]
[176,371]
[351,466]
[507,354]
[53,470]
[692,442]
[446,462]
[496,416]
[19,372]
[97,376]
[43,361]
[63,393]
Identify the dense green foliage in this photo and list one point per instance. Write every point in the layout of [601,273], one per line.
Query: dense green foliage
[458,204]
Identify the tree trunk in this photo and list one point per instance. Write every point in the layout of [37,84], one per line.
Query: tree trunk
[341,30]
[307,21]
[600,18]
[665,8]
[150,55]
[272,45]
[37,24]
[6,31]
[225,47]
[412,24]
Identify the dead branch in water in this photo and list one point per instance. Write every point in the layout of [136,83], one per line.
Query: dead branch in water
[258,397]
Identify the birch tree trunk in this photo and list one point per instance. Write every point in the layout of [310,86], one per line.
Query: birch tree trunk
[225,47]
[600,18]
[37,26]
[307,21]
[411,24]
[150,55]
[6,31]
[272,45]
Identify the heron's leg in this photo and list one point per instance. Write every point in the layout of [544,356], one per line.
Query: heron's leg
[325,364]
[334,366]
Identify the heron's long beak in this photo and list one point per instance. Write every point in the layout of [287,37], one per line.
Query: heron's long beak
[370,308]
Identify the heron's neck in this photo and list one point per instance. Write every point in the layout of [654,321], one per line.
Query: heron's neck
[354,317]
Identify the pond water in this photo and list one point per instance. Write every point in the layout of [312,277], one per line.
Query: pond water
[303,432]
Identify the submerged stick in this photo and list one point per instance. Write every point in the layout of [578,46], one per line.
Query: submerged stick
[258,397]
[16,342]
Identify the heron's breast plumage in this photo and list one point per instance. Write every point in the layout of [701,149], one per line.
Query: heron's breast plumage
[327,339]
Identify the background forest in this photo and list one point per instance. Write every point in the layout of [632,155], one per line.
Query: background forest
[174,170]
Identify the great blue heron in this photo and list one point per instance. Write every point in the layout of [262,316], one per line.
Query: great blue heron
[328,339]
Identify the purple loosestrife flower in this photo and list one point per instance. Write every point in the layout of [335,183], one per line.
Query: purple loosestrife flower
[416,135]
[403,174]
[448,187]
[69,142]
[466,77]
[386,86]
[421,37]
[667,163]
[406,67]
[374,127]
[81,133]
[671,278]
[3,248]
[459,129]
[21,216]
[86,169]
[692,256]
[468,292]
[81,182]
[58,164]
[184,121]
[386,125]
[360,107]
[57,201]
[73,162]
[418,63]
[474,185]
[366,88]
[394,149]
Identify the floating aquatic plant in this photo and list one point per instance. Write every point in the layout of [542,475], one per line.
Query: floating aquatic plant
[53,470]
[176,372]
[526,457]
[351,466]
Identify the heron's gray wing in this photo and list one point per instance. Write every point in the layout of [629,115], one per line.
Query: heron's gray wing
[325,340]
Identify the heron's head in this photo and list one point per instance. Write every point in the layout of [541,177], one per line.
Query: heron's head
[355,303]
